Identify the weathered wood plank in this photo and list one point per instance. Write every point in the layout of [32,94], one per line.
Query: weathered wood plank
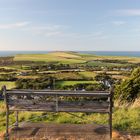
[63,106]
[60,94]
[55,91]
[62,110]
[95,104]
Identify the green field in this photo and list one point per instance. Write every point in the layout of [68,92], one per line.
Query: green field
[71,83]
[67,76]
[88,74]
[71,58]
[9,85]
[61,57]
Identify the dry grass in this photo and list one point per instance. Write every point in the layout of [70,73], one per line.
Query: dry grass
[136,104]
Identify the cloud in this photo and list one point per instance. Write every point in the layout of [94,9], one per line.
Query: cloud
[90,36]
[14,25]
[128,12]
[47,30]
[61,31]
[118,23]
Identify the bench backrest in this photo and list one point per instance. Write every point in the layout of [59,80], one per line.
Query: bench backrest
[58,101]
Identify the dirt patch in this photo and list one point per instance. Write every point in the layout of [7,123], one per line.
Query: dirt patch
[45,131]
[121,136]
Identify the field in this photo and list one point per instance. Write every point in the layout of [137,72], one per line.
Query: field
[51,57]
[72,58]
[72,83]
[59,70]
[9,85]
[88,74]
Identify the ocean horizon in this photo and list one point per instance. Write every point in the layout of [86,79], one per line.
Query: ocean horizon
[100,53]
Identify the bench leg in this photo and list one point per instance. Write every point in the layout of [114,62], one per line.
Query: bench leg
[110,125]
[16,115]
[7,125]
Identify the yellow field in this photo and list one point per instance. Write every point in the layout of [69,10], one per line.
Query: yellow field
[51,57]
[88,74]
[69,57]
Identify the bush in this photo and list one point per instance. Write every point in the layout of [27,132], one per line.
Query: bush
[97,87]
[40,83]
[129,89]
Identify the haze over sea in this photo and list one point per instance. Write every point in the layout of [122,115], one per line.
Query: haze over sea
[100,53]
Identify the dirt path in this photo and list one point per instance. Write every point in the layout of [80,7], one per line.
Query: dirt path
[45,131]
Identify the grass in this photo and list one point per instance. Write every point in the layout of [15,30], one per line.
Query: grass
[72,83]
[62,57]
[102,64]
[124,119]
[127,119]
[8,84]
[73,58]
[120,77]
[67,76]
[88,74]
[27,77]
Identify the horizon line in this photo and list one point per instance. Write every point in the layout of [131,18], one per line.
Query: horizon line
[77,50]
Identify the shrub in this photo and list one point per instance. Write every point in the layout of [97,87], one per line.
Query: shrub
[129,89]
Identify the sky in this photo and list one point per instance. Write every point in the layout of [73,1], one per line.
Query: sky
[74,25]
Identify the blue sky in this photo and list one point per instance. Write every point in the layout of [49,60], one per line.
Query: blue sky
[107,25]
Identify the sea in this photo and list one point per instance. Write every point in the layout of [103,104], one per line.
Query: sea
[99,53]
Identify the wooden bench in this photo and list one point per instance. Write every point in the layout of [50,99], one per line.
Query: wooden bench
[58,101]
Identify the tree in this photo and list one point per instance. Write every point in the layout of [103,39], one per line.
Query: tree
[129,89]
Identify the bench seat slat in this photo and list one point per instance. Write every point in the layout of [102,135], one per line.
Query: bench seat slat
[60,94]
[62,110]
[83,104]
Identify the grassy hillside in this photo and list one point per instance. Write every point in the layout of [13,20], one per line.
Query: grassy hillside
[71,58]
[63,57]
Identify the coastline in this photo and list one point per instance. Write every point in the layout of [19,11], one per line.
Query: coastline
[98,53]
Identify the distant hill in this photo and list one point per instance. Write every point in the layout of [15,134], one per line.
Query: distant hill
[70,57]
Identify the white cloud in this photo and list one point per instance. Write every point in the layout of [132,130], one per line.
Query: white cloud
[62,32]
[118,23]
[14,25]
[128,12]
[47,30]
[84,36]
